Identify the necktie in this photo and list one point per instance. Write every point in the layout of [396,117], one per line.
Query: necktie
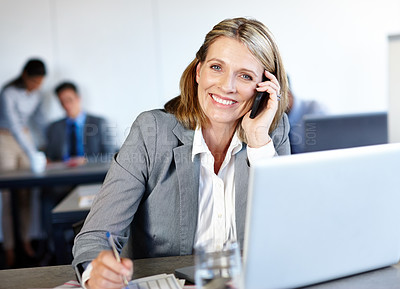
[73,143]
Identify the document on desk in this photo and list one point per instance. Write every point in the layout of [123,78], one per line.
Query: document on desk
[86,194]
[69,284]
[161,281]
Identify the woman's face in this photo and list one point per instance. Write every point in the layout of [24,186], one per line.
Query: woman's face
[32,82]
[227,80]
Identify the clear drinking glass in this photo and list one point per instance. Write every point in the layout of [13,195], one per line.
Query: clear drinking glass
[218,269]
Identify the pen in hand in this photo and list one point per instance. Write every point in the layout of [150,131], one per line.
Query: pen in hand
[116,255]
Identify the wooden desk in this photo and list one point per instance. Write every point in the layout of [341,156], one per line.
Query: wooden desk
[64,215]
[68,210]
[55,174]
[49,277]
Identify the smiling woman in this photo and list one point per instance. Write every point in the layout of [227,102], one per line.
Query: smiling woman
[180,179]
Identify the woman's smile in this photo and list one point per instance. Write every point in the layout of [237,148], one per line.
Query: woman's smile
[221,100]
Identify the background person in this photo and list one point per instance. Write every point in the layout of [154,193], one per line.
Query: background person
[297,110]
[80,136]
[76,139]
[21,105]
[181,177]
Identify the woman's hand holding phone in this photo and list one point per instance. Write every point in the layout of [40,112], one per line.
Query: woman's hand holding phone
[257,126]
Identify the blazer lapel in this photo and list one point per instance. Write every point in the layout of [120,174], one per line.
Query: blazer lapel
[188,174]
[91,133]
[241,188]
[63,140]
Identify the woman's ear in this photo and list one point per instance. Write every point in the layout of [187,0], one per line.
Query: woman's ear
[198,67]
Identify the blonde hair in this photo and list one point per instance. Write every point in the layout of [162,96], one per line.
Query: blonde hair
[259,40]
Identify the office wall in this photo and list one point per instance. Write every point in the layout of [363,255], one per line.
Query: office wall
[127,55]
[394,88]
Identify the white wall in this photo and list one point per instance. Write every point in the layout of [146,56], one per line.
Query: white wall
[127,55]
[394,88]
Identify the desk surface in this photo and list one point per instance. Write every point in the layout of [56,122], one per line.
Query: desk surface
[55,174]
[71,202]
[68,209]
[49,277]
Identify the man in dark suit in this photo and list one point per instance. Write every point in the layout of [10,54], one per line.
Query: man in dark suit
[75,140]
[79,137]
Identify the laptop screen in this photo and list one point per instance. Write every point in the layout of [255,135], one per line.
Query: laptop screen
[322,215]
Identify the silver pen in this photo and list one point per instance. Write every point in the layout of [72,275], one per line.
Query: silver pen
[116,255]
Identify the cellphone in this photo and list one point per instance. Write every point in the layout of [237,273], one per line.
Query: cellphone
[260,96]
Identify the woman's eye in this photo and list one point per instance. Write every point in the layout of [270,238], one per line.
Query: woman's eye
[216,67]
[247,77]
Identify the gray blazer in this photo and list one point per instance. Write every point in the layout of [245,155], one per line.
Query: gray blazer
[151,191]
[98,142]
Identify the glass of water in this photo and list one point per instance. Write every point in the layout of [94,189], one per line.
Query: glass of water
[218,269]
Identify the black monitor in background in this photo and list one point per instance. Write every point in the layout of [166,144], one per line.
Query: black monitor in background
[344,131]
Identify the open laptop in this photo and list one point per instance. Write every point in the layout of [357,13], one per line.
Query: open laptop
[344,131]
[322,215]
